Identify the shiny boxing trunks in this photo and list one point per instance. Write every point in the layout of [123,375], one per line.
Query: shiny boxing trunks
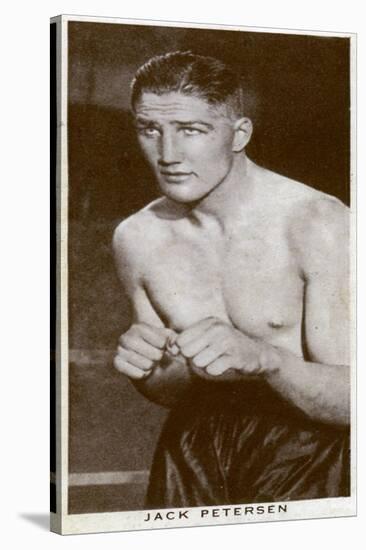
[229,445]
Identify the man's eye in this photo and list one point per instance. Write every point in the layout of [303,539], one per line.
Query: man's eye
[191,131]
[149,132]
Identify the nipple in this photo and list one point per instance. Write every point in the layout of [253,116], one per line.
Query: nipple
[276,324]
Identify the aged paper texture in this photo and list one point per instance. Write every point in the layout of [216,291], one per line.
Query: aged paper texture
[205,365]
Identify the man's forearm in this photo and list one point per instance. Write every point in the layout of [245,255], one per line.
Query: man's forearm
[167,383]
[321,391]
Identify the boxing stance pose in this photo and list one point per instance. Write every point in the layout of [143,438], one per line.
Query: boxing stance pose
[238,279]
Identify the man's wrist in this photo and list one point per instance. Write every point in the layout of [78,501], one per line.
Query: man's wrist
[270,360]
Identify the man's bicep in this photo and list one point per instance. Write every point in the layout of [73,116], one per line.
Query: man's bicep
[130,273]
[325,262]
[326,320]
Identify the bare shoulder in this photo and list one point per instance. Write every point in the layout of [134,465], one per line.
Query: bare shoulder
[318,229]
[302,205]
[138,230]
[320,220]
[138,238]
[289,193]
[316,224]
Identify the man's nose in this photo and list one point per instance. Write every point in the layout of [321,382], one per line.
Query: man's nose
[169,151]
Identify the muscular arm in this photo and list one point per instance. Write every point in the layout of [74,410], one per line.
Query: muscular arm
[321,385]
[169,378]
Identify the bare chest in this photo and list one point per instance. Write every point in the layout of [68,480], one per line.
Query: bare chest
[250,282]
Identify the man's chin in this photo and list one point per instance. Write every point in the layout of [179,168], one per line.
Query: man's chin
[187,192]
[182,196]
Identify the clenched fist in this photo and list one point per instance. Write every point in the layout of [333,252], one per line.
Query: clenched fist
[141,348]
[214,347]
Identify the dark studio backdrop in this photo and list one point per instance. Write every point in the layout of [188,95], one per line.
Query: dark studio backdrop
[301,130]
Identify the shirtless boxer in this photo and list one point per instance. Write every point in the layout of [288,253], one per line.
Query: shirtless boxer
[238,279]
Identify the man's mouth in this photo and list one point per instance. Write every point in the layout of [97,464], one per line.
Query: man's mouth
[175,177]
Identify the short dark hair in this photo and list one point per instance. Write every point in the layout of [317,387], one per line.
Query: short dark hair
[190,74]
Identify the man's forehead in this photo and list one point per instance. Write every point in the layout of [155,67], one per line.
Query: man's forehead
[175,104]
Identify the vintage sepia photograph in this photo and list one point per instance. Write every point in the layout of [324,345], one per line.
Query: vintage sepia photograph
[204,366]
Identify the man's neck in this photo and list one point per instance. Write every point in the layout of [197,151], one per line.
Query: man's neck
[229,196]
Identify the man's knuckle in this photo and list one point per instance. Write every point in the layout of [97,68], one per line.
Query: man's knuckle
[180,340]
[187,351]
[127,337]
[120,350]
[160,340]
[157,354]
[127,343]
[215,348]
[122,339]
[214,371]
[198,361]
[250,367]
[119,363]
[137,374]
[148,363]
[152,354]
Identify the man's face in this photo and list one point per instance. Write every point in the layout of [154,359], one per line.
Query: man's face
[187,142]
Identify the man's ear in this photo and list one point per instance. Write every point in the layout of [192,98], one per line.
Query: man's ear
[243,129]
